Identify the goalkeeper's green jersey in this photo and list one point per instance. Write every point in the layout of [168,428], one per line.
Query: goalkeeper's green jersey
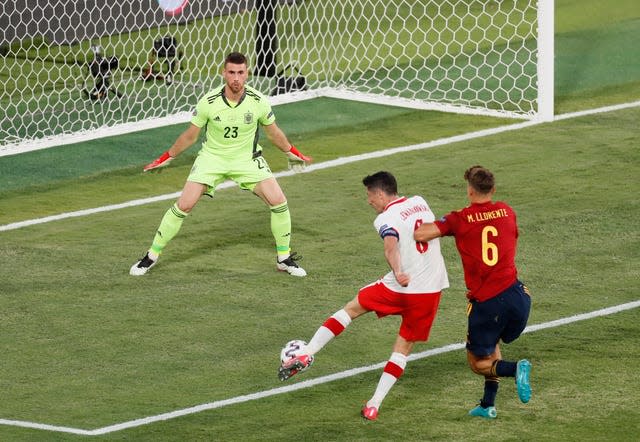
[232,128]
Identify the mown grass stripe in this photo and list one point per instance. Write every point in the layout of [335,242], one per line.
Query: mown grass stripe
[304,384]
[327,164]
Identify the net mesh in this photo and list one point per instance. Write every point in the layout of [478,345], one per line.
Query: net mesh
[71,67]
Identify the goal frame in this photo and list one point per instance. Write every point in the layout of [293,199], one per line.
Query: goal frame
[545,98]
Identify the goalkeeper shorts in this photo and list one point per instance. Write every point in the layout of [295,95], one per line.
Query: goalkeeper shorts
[212,170]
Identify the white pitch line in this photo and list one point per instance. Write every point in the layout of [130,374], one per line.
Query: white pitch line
[341,375]
[311,168]
[327,164]
[301,385]
[53,428]
[600,110]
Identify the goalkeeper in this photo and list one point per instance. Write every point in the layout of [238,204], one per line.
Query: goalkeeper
[231,116]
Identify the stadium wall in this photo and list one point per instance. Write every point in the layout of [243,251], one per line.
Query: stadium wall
[58,21]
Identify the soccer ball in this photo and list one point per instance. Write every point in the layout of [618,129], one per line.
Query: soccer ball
[294,348]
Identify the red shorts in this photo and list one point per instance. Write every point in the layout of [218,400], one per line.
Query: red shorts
[418,310]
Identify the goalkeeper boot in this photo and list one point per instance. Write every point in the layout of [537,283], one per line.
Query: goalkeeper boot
[290,265]
[523,368]
[484,412]
[143,266]
[294,366]
[369,413]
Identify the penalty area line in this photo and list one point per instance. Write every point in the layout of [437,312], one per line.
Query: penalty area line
[328,164]
[304,384]
[311,168]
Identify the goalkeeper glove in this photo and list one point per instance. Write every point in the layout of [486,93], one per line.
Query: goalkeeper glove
[162,161]
[297,160]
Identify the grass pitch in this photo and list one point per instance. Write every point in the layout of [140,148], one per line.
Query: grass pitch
[87,346]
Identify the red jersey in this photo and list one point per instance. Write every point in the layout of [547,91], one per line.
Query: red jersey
[486,236]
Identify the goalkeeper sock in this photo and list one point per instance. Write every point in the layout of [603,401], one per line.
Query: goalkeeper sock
[281,229]
[491,384]
[169,227]
[392,372]
[331,328]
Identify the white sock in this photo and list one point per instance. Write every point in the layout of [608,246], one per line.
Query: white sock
[392,371]
[331,328]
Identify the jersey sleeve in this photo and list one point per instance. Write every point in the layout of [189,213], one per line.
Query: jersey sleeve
[385,228]
[200,114]
[513,213]
[448,223]
[267,116]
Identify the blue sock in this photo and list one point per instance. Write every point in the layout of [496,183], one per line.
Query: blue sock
[504,369]
[490,391]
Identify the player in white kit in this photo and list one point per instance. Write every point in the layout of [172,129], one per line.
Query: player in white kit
[412,288]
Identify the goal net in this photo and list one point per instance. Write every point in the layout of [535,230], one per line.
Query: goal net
[76,70]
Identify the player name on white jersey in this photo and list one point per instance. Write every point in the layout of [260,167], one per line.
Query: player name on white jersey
[406,213]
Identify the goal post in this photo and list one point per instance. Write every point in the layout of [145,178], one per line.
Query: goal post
[100,69]
[546,57]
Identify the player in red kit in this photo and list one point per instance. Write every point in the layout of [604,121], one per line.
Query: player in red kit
[486,235]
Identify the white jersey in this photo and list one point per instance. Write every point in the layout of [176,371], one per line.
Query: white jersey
[422,261]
